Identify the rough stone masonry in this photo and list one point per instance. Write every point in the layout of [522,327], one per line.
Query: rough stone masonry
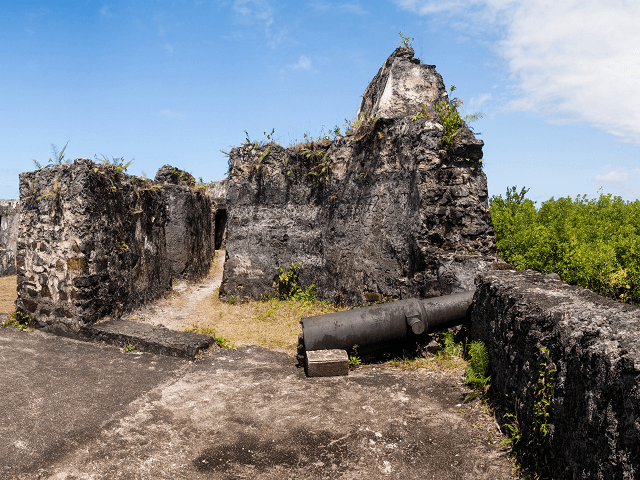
[378,212]
[562,344]
[92,243]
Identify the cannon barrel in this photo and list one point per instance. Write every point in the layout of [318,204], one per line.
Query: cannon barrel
[384,322]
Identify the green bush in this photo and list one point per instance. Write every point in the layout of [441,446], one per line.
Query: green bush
[594,243]
[288,285]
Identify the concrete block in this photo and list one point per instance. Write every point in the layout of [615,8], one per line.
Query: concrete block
[327,363]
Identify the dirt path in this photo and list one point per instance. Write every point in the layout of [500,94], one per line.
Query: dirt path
[182,307]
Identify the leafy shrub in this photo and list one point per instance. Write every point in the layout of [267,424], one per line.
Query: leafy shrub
[594,243]
[478,364]
[289,288]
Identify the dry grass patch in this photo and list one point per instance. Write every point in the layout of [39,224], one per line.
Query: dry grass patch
[270,323]
[441,362]
[8,293]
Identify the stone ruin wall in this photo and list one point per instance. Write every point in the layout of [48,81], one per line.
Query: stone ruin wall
[92,243]
[189,227]
[393,217]
[9,222]
[593,342]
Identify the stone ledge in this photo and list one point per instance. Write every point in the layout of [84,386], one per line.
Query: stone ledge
[592,342]
[149,338]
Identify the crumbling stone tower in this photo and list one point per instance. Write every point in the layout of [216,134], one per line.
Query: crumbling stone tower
[378,212]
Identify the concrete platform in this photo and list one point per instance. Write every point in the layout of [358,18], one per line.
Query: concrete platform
[81,410]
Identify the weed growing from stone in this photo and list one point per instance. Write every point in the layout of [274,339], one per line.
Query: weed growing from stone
[219,339]
[288,286]
[58,157]
[405,41]
[354,358]
[478,365]
[129,347]
[19,320]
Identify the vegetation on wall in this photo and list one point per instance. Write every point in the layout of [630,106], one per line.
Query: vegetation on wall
[594,243]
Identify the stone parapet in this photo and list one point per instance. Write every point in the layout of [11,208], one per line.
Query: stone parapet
[578,351]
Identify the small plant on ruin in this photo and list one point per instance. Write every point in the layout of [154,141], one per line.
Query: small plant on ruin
[542,404]
[421,114]
[478,365]
[263,156]
[452,122]
[362,126]
[128,347]
[19,320]
[513,435]
[118,164]
[354,358]
[58,156]
[406,41]
[233,300]
[288,285]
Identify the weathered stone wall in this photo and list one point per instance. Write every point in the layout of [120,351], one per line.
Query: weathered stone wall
[9,222]
[91,243]
[389,216]
[593,342]
[188,227]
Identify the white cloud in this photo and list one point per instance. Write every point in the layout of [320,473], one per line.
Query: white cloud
[614,176]
[475,103]
[169,114]
[572,60]
[253,10]
[260,13]
[168,48]
[353,8]
[304,63]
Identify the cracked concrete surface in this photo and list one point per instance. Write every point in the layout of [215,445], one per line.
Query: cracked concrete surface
[75,410]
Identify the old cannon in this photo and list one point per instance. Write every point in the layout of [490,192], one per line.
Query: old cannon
[379,324]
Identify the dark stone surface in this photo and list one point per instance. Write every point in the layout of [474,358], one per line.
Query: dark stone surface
[188,231]
[174,176]
[392,217]
[149,338]
[593,342]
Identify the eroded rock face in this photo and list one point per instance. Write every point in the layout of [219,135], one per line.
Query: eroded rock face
[174,176]
[533,323]
[91,244]
[378,212]
[189,229]
[402,86]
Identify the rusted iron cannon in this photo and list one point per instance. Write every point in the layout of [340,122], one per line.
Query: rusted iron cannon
[378,324]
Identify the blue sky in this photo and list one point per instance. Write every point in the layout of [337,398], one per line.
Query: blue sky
[177,81]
